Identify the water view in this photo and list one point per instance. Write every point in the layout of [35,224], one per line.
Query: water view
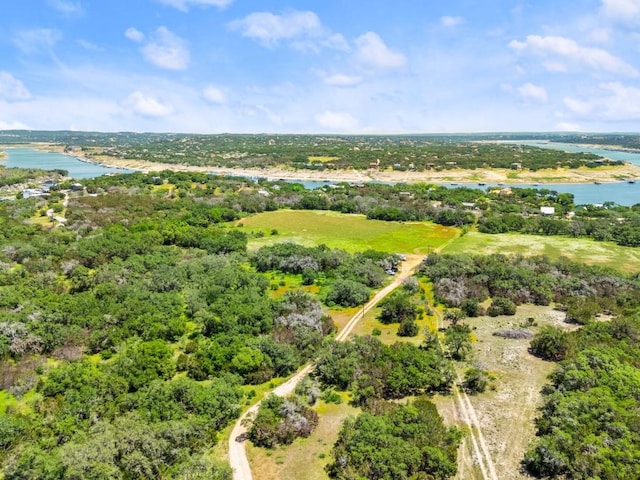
[31,158]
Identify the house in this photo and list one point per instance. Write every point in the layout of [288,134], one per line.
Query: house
[547,210]
[516,166]
[76,186]
[469,204]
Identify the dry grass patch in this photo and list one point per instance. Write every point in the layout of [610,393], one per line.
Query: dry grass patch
[305,458]
[626,259]
[507,410]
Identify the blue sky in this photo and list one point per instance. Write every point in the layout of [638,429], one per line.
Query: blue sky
[213,66]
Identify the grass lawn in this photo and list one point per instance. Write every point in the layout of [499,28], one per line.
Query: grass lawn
[578,249]
[352,233]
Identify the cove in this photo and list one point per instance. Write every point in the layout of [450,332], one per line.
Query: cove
[31,158]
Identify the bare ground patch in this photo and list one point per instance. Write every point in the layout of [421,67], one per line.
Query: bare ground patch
[507,410]
[305,458]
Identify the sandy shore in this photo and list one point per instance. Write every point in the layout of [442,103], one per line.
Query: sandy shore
[507,176]
[482,175]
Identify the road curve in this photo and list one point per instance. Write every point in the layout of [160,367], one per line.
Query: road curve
[237,449]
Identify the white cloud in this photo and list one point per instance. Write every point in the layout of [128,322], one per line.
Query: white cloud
[32,41]
[568,127]
[12,89]
[134,34]
[12,125]
[568,50]
[67,7]
[532,93]
[372,51]
[624,11]
[183,5]
[146,106]
[214,94]
[448,21]
[336,121]
[341,80]
[87,45]
[166,50]
[616,102]
[269,29]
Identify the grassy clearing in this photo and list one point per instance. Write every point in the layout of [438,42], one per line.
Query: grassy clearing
[506,411]
[305,458]
[578,249]
[352,233]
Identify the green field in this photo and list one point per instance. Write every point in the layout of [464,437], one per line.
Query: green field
[578,249]
[352,233]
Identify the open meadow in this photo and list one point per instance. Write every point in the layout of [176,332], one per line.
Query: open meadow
[352,233]
[588,251]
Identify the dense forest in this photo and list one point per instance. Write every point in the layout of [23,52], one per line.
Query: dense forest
[589,426]
[126,335]
[132,335]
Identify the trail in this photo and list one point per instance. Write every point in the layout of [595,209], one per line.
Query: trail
[467,414]
[237,448]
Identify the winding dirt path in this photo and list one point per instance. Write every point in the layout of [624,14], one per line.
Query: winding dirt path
[237,449]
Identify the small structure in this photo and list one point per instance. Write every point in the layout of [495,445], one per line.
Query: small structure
[76,186]
[547,210]
[32,192]
[516,166]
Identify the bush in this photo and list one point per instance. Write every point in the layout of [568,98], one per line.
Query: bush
[550,343]
[501,306]
[347,293]
[475,380]
[408,328]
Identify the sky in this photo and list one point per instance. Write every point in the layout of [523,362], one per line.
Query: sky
[325,66]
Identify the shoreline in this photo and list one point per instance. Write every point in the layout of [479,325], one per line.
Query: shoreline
[505,177]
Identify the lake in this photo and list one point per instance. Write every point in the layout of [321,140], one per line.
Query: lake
[621,193]
[31,158]
[630,157]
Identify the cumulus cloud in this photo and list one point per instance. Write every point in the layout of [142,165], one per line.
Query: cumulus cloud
[183,5]
[12,89]
[147,106]
[134,34]
[166,50]
[341,80]
[373,52]
[624,11]
[565,49]
[268,29]
[531,93]
[214,94]
[34,40]
[448,21]
[336,121]
[615,102]
[67,7]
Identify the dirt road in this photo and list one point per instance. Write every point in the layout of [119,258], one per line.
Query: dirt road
[237,450]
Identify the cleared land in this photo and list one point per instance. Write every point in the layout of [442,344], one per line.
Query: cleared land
[353,233]
[583,250]
[506,411]
[305,457]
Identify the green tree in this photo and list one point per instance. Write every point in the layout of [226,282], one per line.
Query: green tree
[457,338]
